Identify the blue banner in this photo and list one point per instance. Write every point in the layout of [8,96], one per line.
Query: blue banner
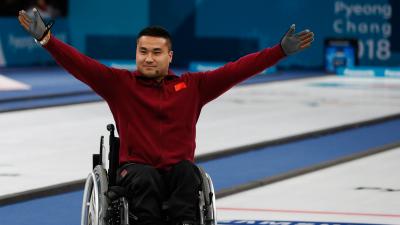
[18,48]
[372,22]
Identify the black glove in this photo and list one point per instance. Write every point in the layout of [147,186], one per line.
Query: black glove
[292,43]
[34,25]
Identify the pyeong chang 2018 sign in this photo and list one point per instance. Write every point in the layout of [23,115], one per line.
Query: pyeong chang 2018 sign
[370,23]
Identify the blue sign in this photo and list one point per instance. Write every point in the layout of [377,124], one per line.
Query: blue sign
[371,22]
[18,48]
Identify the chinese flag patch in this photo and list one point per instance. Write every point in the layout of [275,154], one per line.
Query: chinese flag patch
[180,86]
[123,173]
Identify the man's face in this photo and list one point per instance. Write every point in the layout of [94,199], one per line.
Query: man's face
[153,56]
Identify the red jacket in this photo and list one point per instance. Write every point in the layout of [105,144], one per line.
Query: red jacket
[157,122]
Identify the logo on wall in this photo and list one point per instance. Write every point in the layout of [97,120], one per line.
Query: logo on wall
[368,21]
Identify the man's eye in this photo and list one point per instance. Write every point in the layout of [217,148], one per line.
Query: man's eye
[157,53]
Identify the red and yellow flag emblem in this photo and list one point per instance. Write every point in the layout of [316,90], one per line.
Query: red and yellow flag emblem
[180,86]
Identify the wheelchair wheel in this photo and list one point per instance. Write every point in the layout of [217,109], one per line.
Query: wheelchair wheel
[213,218]
[94,206]
[207,200]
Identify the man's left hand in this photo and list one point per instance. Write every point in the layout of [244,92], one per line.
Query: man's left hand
[292,43]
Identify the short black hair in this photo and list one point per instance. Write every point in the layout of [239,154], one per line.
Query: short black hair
[156,31]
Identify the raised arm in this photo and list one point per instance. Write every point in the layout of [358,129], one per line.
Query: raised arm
[214,83]
[84,68]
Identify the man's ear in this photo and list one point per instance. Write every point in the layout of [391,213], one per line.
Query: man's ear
[171,54]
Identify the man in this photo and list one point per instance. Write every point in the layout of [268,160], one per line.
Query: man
[156,112]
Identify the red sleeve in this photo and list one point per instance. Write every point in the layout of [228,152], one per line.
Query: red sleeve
[214,83]
[98,76]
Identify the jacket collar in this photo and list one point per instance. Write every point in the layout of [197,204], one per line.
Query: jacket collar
[153,82]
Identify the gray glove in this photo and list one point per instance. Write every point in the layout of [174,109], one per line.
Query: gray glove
[34,24]
[292,43]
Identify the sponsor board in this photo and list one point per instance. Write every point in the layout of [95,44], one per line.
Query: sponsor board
[365,71]
[274,222]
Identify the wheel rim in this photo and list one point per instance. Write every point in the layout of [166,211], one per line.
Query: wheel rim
[92,214]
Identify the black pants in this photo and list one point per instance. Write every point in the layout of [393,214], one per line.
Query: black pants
[149,188]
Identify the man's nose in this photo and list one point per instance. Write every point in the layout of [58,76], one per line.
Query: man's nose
[149,59]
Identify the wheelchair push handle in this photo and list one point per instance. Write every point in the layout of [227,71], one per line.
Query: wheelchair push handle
[110,127]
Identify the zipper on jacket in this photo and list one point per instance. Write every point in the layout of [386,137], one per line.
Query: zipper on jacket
[160,89]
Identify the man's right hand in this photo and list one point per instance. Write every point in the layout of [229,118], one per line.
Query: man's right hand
[34,25]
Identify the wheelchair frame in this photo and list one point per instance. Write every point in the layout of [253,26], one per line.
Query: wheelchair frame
[99,208]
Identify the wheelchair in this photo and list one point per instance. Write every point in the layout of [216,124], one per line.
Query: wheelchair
[104,203]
